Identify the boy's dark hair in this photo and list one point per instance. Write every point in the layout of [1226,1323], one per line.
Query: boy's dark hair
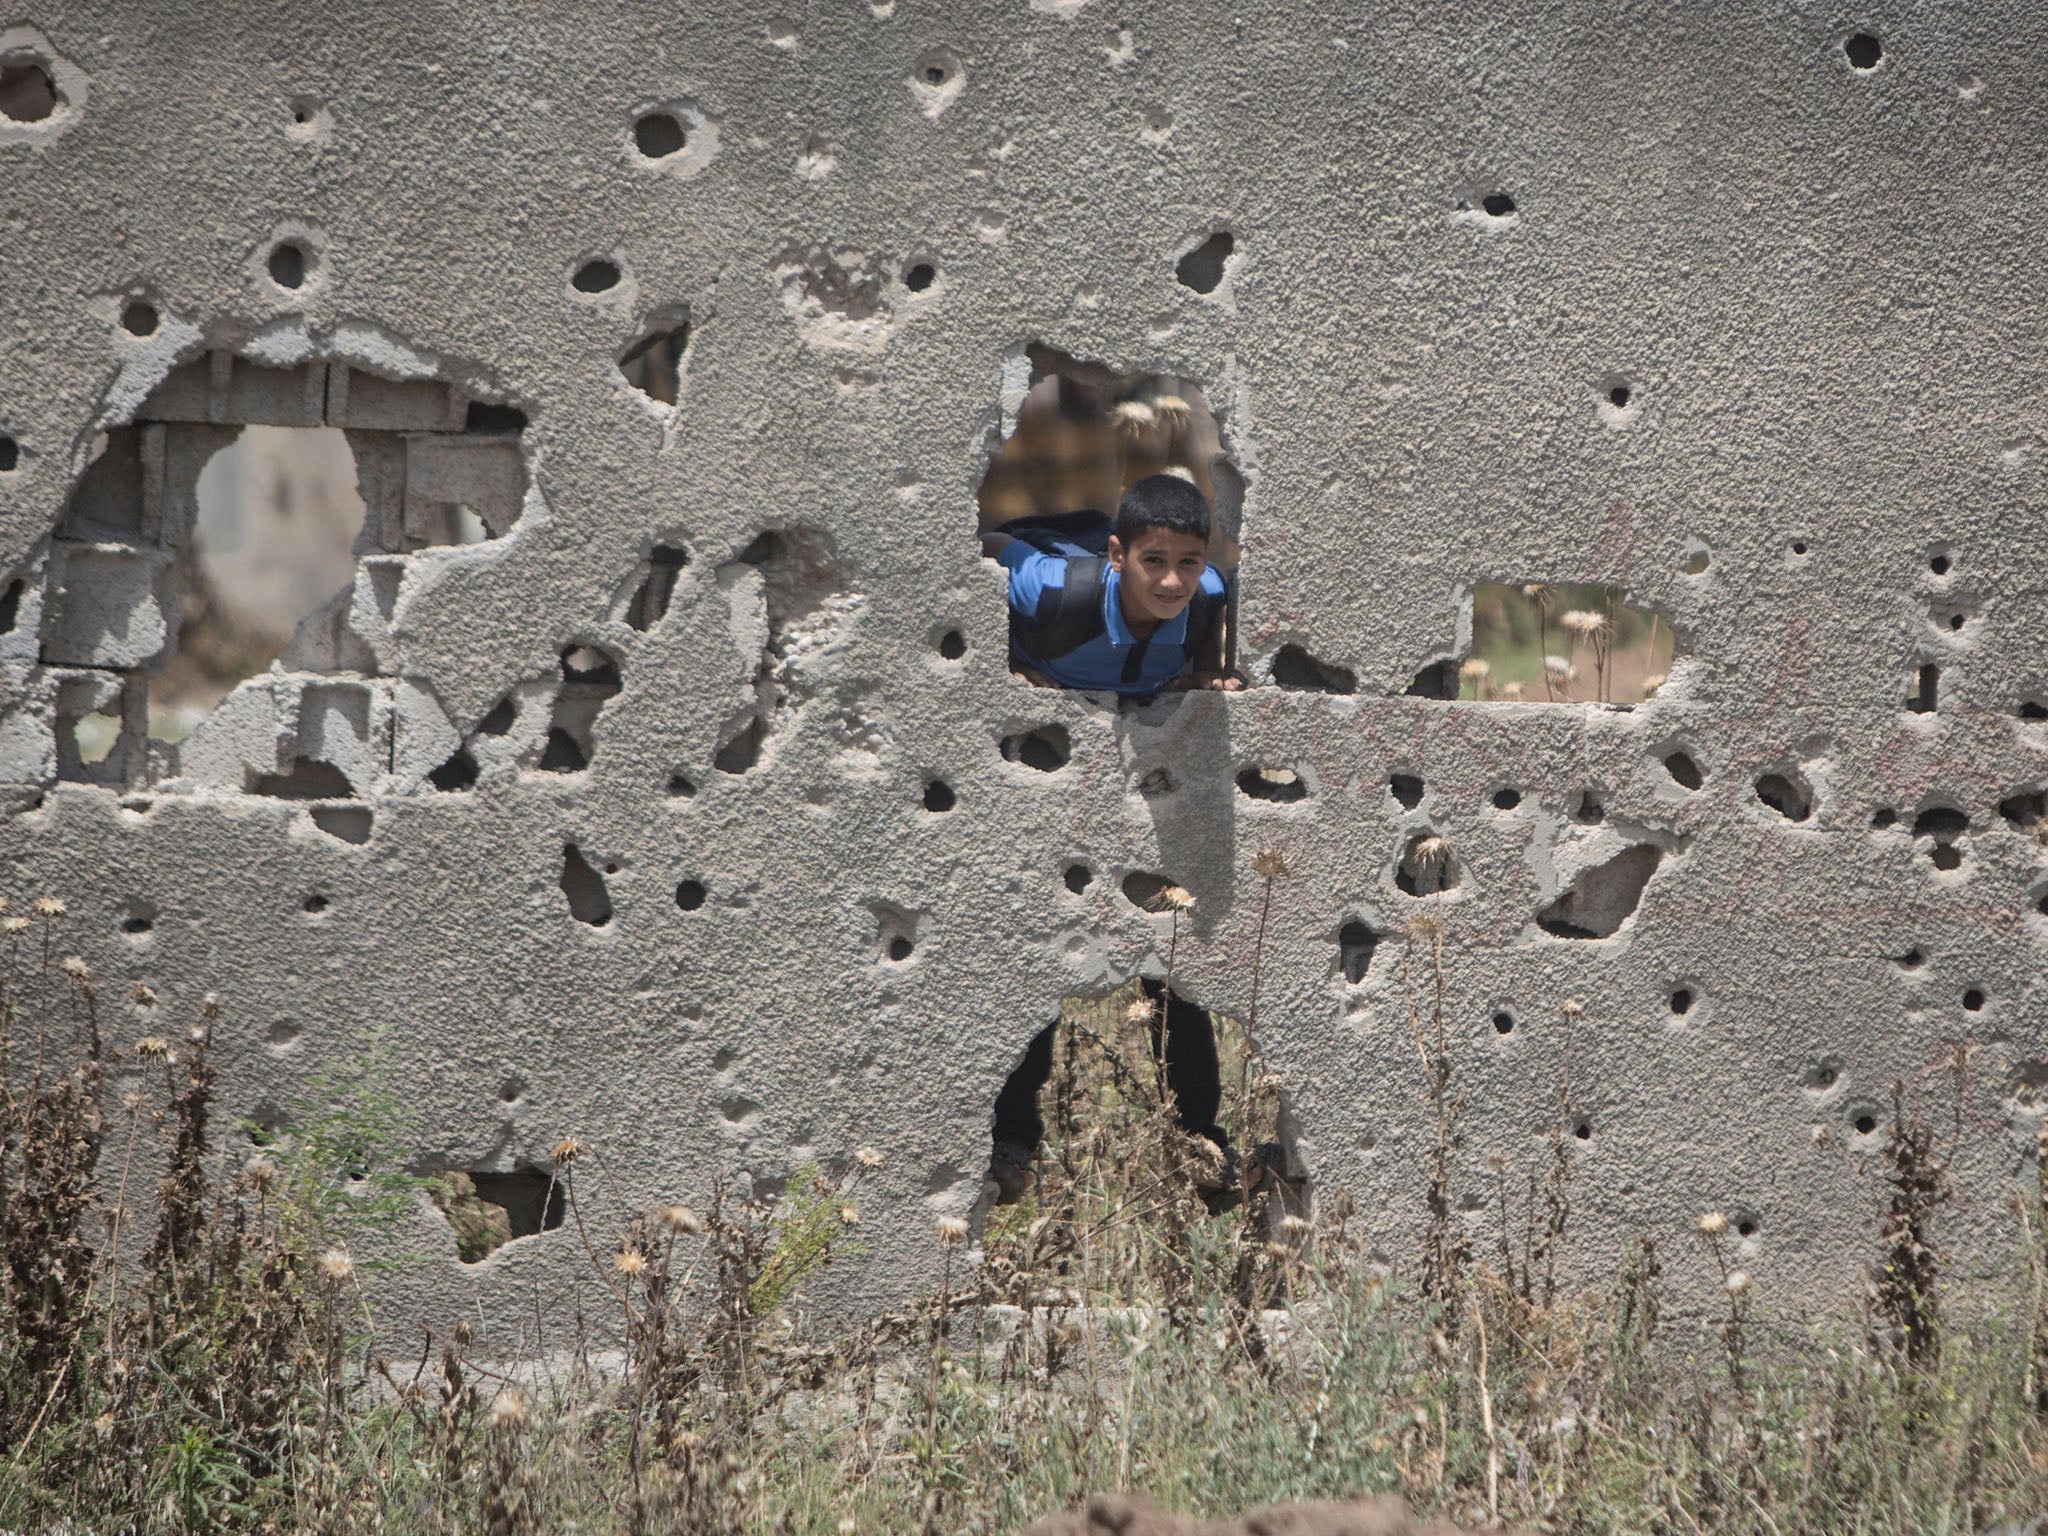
[1161,501]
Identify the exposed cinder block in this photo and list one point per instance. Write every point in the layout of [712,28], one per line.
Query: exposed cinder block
[343,725]
[108,501]
[96,733]
[107,611]
[486,475]
[219,387]
[370,402]
[380,480]
[243,739]
[28,718]
[24,597]
[423,737]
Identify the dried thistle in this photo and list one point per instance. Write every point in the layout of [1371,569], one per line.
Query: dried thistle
[50,907]
[1586,623]
[336,1265]
[679,1219]
[868,1158]
[1712,1223]
[14,927]
[144,995]
[1172,411]
[1270,863]
[1737,1284]
[567,1151]
[631,1262]
[1134,418]
[952,1231]
[508,1410]
[1478,669]
[153,1048]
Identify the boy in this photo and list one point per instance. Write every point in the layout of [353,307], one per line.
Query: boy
[1135,614]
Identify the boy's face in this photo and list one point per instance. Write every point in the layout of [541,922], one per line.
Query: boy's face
[1159,571]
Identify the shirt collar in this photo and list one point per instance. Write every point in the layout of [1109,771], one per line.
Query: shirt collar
[1173,632]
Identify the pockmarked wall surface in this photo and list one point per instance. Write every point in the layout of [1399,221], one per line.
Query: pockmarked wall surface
[612,823]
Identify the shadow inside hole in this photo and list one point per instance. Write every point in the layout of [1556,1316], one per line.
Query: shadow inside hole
[1684,771]
[657,135]
[1604,897]
[1281,785]
[1786,793]
[1356,942]
[1295,669]
[1047,748]
[653,362]
[589,902]
[139,318]
[939,797]
[1406,789]
[27,92]
[288,265]
[1428,866]
[489,1210]
[599,276]
[1202,268]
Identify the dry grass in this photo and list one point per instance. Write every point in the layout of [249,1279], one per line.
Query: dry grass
[185,1346]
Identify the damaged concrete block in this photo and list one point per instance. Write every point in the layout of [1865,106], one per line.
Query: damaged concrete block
[220,387]
[107,611]
[28,739]
[380,481]
[422,736]
[372,403]
[107,503]
[23,599]
[93,734]
[343,725]
[243,739]
[486,475]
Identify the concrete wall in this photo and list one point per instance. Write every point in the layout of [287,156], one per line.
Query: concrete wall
[1818,283]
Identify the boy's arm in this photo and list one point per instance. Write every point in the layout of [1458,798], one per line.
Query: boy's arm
[994,543]
[1207,661]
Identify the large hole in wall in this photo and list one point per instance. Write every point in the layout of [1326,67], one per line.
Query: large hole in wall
[1083,433]
[1066,1111]
[488,1210]
[1567,643]
[253,515]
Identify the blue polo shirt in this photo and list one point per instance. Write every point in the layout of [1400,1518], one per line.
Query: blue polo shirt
[1114,661]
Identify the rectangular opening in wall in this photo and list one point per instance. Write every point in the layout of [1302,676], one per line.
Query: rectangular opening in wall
[1576,643]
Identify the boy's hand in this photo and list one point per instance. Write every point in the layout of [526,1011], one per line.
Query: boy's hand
[1215,682]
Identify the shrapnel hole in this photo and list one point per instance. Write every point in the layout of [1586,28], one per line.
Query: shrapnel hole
[690,895]
[27,93]
[657,135]
[1864,52]
[287,265]
[939,797]
[597,276]
[139,317]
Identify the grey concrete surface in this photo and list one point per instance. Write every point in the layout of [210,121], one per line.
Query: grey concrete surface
[1822,286]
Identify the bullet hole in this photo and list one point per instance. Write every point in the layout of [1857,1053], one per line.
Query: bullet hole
[657,135]
[1973,999]
[740,752]
[1684,771]
[1696,563]
[1618,396]
[511,1091]
[598,276]
[138,923]
[562,753]
[1604,897]
[350,823]
[139,318]
[1047,748]
[288,264]
[1927,683]
[657,587]
[2024,809]
[1438,680]
[1142,889]
[27,93]
[1582,1129]
[936,81]
[1798,548]
[1295,669]
[1956,621]
[653,363]
[1746,1227]
[10,454]
[900,949]
[1497,205]
[1503,1022]
[313,905]
[919,276]
[1160,781]
[1863,51]
[1943,824]
[1078,877]
[952,645]
[1202,268]
[10,606]
[1427,866]
[1883,817]
[939,797]
[1589,811]
[531,1202]
[498,718]
[1911,960]
[690,895]
[679,787]
[590,677]
[1355,944]
[1281,785]
[1939,565]
[1822,1075]
[2033,709]
[1864,1123]
[1506,798]
[459,772]
[588,901]
[1681,1000]
[2041,906]
[308,778]
[1787,794]
[301,113]
[934,74]
[1406,788]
